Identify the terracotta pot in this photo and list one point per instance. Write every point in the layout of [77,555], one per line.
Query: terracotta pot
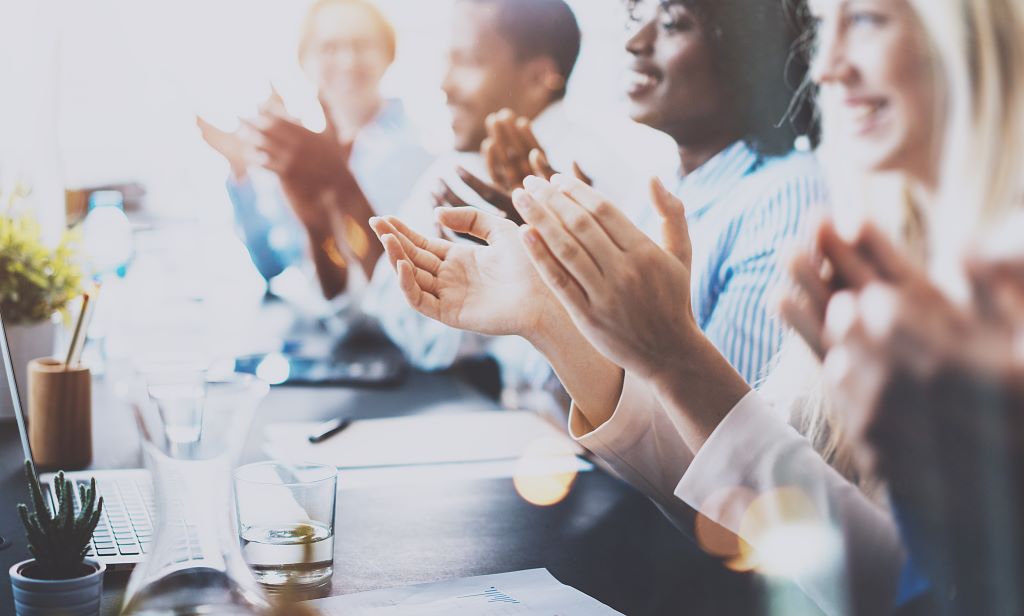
[75,597]
[27,342]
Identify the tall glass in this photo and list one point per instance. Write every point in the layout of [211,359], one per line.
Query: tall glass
[192,437]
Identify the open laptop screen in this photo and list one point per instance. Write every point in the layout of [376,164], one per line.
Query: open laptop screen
[12,391]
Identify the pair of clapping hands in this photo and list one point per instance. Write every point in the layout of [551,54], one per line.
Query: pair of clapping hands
[307,162]
[892,341]
[577,257]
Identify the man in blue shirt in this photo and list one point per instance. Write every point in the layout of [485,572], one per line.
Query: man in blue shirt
[346,46]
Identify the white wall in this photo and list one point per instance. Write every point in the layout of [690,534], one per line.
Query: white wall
[113,85]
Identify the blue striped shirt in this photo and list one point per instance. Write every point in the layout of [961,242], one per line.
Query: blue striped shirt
[743,210]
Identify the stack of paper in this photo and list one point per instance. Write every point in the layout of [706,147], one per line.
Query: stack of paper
[530,593]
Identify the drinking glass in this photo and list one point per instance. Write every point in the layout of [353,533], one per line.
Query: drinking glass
[286,522]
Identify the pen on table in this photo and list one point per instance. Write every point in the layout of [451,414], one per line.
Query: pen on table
[329,429]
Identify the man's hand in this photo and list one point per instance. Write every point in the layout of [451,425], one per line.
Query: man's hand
[327,199]
[229,145]
[308,163]
[512,153]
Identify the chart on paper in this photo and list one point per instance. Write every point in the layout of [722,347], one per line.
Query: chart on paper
[535,593]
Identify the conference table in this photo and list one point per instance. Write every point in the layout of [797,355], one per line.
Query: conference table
[604,538]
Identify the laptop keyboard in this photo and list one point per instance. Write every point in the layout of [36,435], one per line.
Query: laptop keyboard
[127,523]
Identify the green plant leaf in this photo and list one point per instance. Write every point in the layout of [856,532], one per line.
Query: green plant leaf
[42,507]
[37,281]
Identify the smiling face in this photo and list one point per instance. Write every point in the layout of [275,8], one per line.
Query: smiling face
[877,84]
[485,75]
[347,54]
[674,85]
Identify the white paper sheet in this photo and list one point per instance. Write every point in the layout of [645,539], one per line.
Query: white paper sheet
[356,478]
[441,438]
[529,593]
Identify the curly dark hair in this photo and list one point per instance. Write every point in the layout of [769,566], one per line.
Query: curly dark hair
[756,48]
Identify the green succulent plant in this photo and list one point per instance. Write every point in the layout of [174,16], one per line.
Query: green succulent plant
[35,280]
[59,539]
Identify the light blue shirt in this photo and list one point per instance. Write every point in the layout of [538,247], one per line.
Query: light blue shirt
[386,160]
[743,211]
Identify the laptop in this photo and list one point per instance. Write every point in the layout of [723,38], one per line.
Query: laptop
[127,525]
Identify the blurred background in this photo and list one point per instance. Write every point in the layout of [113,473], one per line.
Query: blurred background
[104,92]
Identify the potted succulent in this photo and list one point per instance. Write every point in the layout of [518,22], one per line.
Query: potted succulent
[36,282]
[59,580]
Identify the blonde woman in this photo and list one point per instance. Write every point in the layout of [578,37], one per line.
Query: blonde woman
[925,374]
[907,85]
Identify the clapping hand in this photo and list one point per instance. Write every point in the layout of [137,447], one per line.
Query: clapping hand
[511,153]
[307,162]
[887,334]
[230,145]
[489,289]
[629,297]
[240,146]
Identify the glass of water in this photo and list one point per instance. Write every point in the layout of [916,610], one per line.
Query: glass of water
[286,522]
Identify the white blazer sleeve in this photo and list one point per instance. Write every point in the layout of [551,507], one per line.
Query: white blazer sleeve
[754,449]
[641,447]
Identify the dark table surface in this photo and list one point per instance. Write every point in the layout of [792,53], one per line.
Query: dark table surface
[604,538]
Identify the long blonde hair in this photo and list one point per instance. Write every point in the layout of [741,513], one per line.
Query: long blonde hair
[977,53]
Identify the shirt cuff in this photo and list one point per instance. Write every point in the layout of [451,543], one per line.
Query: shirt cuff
[242,191]
[627,425]
[730,458]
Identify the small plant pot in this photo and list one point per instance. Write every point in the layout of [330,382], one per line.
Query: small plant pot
[75,597]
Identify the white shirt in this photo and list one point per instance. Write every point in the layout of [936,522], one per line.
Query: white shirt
[430,345]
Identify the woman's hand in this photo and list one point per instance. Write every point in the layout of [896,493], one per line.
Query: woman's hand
[887,335]
[628,296]
[834,264]
[491,289]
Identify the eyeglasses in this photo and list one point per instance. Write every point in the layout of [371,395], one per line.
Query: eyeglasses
[355,47]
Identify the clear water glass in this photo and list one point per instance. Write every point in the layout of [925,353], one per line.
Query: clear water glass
[286,522]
